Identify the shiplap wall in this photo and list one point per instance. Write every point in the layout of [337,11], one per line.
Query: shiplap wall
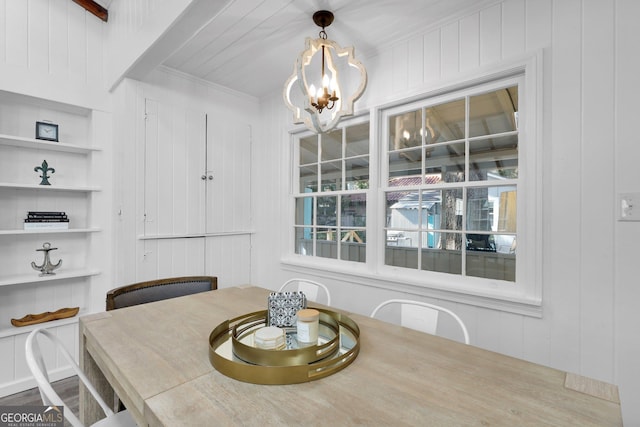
[589,286]
[52,49]
[622,134]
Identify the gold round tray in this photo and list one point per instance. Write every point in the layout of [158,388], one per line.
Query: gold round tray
[232,353]
[243,346]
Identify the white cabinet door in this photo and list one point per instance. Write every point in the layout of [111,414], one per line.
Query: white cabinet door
[175,164]
[197,182]
[229,165]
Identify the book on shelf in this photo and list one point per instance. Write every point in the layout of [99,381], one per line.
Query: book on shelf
[46,213]
[51,219]
[46,220]
[46,225]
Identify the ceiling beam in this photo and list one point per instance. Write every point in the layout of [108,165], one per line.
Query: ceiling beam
[95,8]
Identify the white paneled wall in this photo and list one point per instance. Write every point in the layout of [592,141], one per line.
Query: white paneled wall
[590,153]
[623,140]
[52,49]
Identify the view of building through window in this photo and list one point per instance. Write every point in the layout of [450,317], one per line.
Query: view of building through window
[452,185]
[450,182]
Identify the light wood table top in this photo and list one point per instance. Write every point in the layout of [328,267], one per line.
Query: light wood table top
[155,356]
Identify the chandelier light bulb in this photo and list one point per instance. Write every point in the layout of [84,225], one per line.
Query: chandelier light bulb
[333,84]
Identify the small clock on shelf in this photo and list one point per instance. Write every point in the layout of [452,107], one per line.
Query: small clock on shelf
[47,131]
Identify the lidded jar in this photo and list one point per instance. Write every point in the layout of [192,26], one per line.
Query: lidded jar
[307,326]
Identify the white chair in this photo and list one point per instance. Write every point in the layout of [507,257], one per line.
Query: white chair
[36,364]
[308,287]
[421,316]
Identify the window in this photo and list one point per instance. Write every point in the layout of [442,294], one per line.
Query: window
[443,198]
[452,183]
[331,198]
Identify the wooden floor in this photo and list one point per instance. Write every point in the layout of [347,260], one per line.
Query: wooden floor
[67,389]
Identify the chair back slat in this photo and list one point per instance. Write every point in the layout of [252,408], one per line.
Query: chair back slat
[421,316]
[310,288]
[37,366]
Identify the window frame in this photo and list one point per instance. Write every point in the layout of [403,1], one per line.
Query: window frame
[525,296]
[459,282]
[296,193]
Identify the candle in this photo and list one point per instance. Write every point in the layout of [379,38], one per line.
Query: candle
[307,326]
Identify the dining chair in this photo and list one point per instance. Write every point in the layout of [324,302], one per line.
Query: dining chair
[310,288]
[159,289]
[421,316]
[37,366]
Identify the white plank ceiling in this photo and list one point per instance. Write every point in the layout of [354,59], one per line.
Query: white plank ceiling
[251,45]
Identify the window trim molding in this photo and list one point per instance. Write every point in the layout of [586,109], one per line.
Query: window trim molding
[348,272]
[527,299]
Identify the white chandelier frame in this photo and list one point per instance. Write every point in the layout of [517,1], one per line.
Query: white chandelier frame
[309,114]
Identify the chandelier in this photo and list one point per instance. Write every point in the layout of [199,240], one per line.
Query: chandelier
[341,81]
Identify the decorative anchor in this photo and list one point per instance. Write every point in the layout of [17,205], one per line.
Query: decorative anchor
[46,268]
[44,168]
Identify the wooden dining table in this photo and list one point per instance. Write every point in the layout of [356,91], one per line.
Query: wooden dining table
[156,358]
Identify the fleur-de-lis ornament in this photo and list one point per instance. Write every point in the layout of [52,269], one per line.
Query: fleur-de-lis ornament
[44,168]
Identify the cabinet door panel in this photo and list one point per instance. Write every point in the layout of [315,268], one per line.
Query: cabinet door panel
[171,258]
[229,259]
[174,163]
[229,162]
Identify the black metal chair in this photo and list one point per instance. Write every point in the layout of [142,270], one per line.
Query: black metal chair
[157,290]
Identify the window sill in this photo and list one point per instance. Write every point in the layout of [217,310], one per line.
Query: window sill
[394,280]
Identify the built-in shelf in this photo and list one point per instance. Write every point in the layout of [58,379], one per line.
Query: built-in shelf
[70,230]
[35,278]
[47,187]
[80,186]
[10,330]
[37,144]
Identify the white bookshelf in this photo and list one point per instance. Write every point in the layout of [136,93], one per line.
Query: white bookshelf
[75,189]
